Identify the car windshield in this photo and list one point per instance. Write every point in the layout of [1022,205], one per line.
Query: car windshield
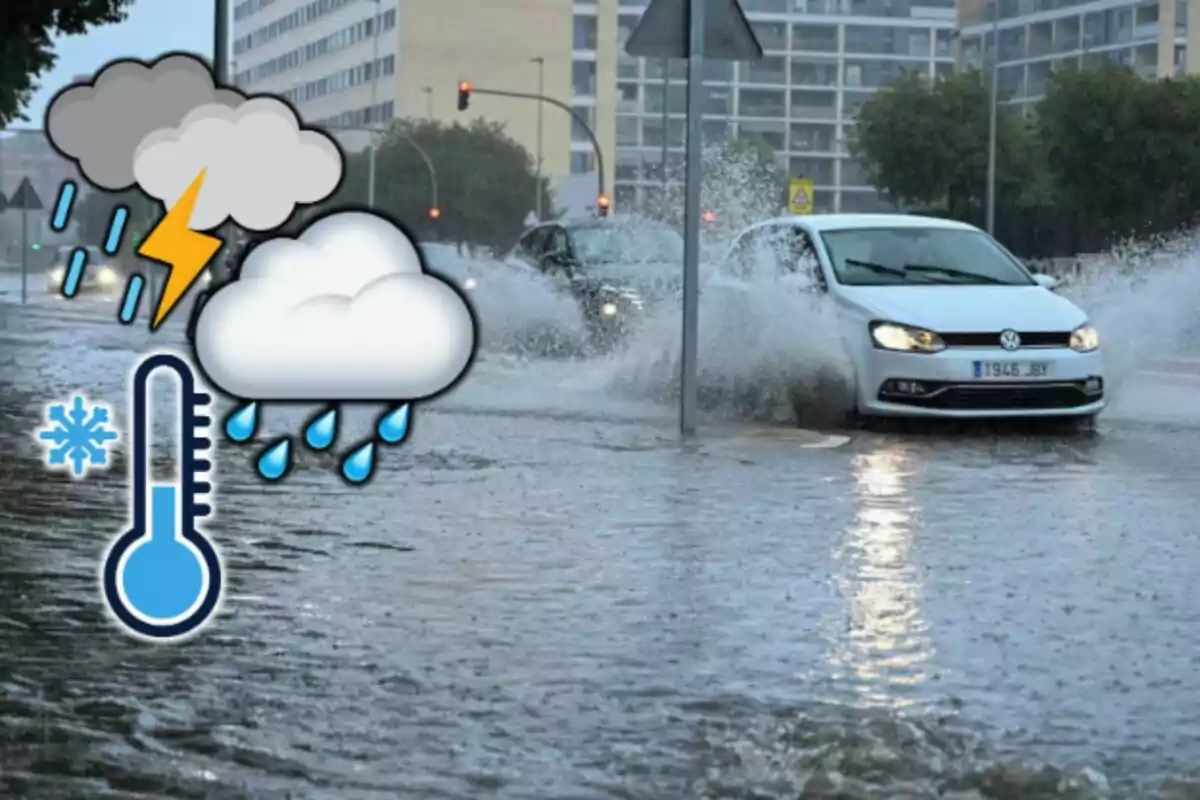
[94,254]
[622,250]
[917,256]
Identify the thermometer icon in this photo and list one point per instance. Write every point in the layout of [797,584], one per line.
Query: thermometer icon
[162,578]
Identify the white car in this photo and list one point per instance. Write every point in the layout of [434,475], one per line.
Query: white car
[99,276]
[937,318]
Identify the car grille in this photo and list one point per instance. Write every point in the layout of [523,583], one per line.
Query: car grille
[1028,339]
[997,396]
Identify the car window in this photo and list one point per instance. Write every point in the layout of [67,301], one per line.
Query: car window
[531,243]
[557,241]
[776,251]
[915,256]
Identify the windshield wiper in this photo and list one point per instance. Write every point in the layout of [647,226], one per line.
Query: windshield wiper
[875,267]
[954,273]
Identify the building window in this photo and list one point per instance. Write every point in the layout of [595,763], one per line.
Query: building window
[771,35]
[875,73]
[815,38]
[628,67]
[578,132]
[814,71]
[813,104]
[762,103]
[851,103]
[653,99]
[773,133]
[583,78]
[813,138]
[718,101]
[714,130]
[627,98]
[881,40]
[869,202]
[771,70]
[584,37]
[627,131]
[853,173]
[629,165]
[819,169]
[583,163]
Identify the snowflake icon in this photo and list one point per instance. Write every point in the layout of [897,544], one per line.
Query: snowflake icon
[78,433]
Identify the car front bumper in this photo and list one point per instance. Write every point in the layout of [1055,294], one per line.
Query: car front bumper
[945,384]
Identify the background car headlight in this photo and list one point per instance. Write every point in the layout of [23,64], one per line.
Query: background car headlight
[1085,339]
[469,284]
[57,274]
[609,309]
[890,336]
[107,277]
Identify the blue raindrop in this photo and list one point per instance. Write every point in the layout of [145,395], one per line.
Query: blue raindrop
[321,432]
[359,465]
[242,424]
[393,426]
[276,460]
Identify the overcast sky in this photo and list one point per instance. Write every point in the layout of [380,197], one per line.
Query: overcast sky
[154,27]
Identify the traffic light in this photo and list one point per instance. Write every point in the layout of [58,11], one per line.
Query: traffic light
[434,212]
[464,95]
[709,216]
[602,205]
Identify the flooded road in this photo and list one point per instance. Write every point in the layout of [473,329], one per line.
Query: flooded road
[544,595]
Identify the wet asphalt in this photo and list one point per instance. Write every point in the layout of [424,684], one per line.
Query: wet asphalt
[545,595]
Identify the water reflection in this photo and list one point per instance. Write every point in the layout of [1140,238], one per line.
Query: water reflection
[886,646]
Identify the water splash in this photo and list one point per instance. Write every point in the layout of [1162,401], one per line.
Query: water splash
[359,465]
[393,426]
[276,460]
[321,432]
[242,424]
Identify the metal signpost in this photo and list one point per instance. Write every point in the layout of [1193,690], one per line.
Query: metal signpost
[25,199]
[693,29]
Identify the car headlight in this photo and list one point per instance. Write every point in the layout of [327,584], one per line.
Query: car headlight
[57,275]
[1085,339]
[107,277]
[469,284]
[609,309]
[890,336]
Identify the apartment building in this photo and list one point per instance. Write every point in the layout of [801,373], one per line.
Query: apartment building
[1036,37]
[355,64]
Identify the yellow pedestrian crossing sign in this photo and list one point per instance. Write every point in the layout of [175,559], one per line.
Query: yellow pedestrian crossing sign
[800,196]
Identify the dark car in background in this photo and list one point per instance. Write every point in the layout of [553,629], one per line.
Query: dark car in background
[615,268]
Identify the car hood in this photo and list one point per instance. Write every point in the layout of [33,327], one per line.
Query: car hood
[968,309]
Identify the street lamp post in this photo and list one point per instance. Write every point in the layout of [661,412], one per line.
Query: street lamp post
[428,90]
[433,179]
[666,122]
[992,113]
[372,154]
[541,91]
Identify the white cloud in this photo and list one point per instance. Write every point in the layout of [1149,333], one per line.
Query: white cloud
[343,313]
[260,164]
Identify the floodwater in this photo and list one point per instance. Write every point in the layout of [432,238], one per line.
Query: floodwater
[545,595]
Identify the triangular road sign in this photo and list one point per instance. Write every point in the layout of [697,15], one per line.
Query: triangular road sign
[663,32]
[25,197]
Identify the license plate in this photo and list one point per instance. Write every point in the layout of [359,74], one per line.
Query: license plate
[991,370]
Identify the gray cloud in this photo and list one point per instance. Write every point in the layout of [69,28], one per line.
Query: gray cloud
[99,125]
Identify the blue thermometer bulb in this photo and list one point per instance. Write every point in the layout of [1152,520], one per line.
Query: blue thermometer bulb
[162,578]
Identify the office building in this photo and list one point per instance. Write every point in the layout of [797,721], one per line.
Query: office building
[360,63]
[823,59]
[1037,37]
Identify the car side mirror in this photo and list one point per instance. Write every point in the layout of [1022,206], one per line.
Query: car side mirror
[1046,281]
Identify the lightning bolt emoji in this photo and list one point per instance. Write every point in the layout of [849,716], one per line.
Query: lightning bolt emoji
[185,251]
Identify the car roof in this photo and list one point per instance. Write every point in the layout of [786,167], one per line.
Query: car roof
[839,222]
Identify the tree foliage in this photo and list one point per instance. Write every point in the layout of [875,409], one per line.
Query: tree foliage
[925,143]
[1105,155]
[482,176]
[27,28]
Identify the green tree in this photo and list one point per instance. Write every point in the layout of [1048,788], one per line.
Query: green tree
[1122,151]
[27,28]
[485,179]
[925,143]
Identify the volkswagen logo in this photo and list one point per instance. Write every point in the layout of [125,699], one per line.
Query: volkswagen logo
[1010,340]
